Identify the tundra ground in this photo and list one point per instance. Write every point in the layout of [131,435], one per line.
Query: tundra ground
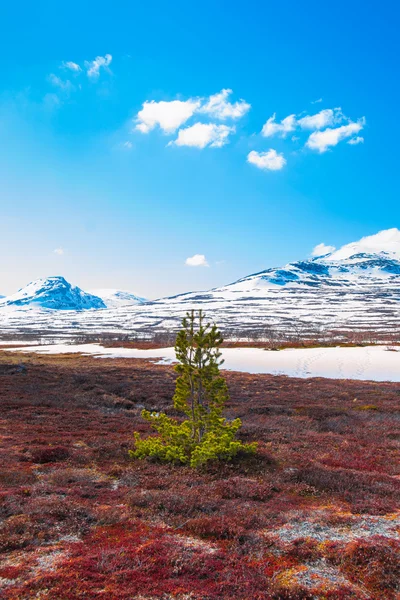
[313,515]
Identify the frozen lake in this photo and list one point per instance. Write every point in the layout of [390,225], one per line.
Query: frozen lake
[376,363]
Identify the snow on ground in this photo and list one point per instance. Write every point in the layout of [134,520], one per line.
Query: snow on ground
[375,363]
[18,343]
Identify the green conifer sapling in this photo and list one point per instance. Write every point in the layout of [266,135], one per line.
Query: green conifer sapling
[201,393]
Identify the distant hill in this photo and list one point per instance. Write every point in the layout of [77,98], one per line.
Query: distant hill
[114,298]
[55,293]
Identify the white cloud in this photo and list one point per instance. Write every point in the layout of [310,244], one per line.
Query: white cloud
[356,140]
[127,145]
[322,249]
[198,260]
[201,135]
[271,127]
[68,64]
[66,86]
[320,120]
[59,251]
[219,107]
[270,160]
[317,101]
[93,66]
[169,116]
[321,124]
[323,140]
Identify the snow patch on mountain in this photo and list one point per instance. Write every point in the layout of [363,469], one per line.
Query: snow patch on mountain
[54,293]
[113,298]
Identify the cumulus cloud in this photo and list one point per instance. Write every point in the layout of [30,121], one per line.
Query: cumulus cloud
[201,135]
[320,120]
[169,116]
[271,127]
[322,249]
[59,251]
[356,140]
[93,66]
[198,260]
[323,140]
[219,107]
[322,124]
[269,161]
[72,66]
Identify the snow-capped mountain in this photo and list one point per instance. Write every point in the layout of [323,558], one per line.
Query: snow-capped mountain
[54,293]
[360,269]
[116,298]
[372,263]
[356,287]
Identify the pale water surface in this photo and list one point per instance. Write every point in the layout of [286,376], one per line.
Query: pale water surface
[377,363]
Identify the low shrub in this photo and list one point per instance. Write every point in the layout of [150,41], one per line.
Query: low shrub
[50,454]
[375,563]
[239,487]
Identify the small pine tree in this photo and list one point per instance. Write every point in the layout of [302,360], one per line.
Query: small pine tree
[201,393]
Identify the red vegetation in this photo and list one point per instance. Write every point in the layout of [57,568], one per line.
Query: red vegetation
[79,520]
[49,455]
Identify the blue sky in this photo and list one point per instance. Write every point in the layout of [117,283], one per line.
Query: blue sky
[104,185]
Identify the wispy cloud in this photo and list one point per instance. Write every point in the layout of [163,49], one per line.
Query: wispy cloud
[59,251]
[64,85]
[93,66]
[201,135]
[197,260]
[322,249]
[356,140]
[269,161]
[271,127]
[72,66]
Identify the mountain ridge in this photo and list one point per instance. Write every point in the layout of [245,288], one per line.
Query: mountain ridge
[360,291]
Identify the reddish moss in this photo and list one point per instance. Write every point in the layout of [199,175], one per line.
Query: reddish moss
[50,454]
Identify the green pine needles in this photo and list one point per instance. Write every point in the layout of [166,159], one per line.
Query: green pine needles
[201,393]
